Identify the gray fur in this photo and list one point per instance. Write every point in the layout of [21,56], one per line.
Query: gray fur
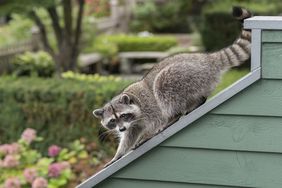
[174,87]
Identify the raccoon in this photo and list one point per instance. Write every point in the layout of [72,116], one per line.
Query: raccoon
[172,88]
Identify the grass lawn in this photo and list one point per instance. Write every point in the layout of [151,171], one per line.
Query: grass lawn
[229,78]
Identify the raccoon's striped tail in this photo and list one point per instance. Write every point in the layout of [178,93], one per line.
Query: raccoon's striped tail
[240,50]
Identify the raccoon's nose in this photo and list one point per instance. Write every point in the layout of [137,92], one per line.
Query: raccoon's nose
[121,129]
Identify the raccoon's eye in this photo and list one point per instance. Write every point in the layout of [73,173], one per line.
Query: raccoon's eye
[127,116]
[112,121]
[111,124]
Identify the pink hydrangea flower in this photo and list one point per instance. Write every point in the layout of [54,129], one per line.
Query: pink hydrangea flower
[30,174]
[39,183]
[54,150]
[13,148]
[4,149]
[65,165]
[29,135]
[10,161]
[13,182]
[54,170]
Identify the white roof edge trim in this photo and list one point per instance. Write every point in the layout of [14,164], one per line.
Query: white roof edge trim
[183,122]
[264,22]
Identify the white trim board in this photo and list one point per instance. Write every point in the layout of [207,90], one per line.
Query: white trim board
[264,22]
[177,126]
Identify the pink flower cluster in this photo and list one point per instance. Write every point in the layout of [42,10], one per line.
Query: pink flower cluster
[31,176]
[55,169]
[28,135]
[13,148]
[39,183]
[9,161]
[9,152]
[53,150]
[12,182]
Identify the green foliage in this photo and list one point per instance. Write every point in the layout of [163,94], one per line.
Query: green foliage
[33,64]
[126,43]
[13,6]
[168,17]
[104,46]
[110,45]
[60,109]
[219,28]
[18,29]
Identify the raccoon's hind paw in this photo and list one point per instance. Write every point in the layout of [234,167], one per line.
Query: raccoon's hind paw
[112,161]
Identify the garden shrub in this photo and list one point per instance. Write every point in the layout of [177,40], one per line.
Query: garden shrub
[33,64]
[59,109]
[220,29]
[162,17]
[110,45]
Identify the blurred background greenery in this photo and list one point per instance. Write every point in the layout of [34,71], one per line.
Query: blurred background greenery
[60,59]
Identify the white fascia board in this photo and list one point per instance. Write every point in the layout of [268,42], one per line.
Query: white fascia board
[264,22]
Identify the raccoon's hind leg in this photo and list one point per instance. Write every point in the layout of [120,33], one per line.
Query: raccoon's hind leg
[180,88]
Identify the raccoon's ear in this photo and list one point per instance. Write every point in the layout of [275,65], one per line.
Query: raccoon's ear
[125,99]
[98,113]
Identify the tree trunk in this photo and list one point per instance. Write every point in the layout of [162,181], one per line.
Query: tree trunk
[67,36]
[65,58]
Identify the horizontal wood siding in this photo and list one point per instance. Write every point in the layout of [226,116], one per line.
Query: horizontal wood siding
[131,183]
[263,98]
[225,132]
[272,60]
[216,167]
[271,36]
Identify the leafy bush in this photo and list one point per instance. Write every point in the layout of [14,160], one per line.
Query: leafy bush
[109,45]
[23,166]
[164,17]
[105,47]
[18,29]
[219,28]
[60,109]
[33,64]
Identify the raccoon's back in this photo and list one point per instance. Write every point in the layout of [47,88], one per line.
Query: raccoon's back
[195,62]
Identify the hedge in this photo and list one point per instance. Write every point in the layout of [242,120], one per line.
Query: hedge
[59,109]
[220,29]
[110,45]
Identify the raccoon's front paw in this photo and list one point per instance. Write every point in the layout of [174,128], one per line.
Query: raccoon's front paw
[140,143]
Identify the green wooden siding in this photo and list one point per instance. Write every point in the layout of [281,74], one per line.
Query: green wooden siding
[238,144]
[216,167]
[131,183]
[263,98]
[225,132]
[271,36]
[272,60]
